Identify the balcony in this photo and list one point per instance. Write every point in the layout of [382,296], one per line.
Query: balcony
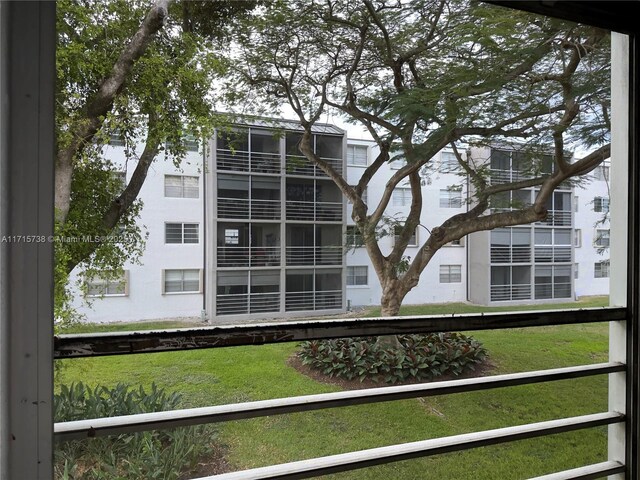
[323,255]
[499,176]
[552,290]
[299,165]
[265,209]
[552,254]
[557,218]
[510,254]
[503,293]
[233,207]
[237,256]
[314,211]
[243,303]
[310,300]
[243,208]
[243,161]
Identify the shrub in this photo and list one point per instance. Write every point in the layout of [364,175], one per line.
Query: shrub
[159,454]
[419,357]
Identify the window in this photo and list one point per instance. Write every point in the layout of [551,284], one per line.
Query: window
[357,155]
[450,198]
[401,197]
[601,204]
[182,281]
[601,269]
[448,161]
[450,273]
[181,232]
[191,143]
[181,186]
[116,139]
[577,237]
[354,237]
[552,281]
[357,275]
[602,238]
[562,236]
[106,286]
[413,241]
[231,236]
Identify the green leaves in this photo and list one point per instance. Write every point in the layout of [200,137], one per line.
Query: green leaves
[419,358]
[161,454]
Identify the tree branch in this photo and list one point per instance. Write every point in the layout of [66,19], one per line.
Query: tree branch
[119,206]
[83,130]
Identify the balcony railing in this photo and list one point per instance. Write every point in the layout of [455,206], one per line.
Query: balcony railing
[265,209]
[552,254]
[233,207]
[314,211]
[243,303]
[244,208]
[298,165]
[310,300]
[497,176]
[325,255]
[503,293]
[83,345]
[511,254]
[558,218]
[232,256]
[335,163]
[552,290]
[243,161]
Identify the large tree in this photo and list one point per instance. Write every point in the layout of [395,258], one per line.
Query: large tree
[140,71]
[422,75]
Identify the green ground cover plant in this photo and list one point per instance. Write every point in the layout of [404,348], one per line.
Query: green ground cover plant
[226,375]
[158,454]
[416,358]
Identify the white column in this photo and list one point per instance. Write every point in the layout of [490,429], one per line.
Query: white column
[619,201]
[27,77]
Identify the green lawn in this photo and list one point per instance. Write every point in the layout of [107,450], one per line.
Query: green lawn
[217,376]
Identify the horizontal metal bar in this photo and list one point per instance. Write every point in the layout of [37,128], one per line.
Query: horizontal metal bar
[597,470]
[377,456]
[195,416]
[118,343]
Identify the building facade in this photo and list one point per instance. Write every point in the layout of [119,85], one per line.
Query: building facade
[527,263]
[277,223]
[252,231]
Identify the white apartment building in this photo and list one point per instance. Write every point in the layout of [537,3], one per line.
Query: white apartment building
[253,232]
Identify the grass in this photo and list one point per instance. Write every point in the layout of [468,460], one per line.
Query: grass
[218,376]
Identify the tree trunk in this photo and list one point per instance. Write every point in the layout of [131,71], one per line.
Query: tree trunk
[390,303]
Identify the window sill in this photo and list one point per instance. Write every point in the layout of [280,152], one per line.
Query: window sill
[194,292]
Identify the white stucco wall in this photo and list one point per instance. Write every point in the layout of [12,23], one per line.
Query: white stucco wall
[429,290]
[588,221]
[145,299]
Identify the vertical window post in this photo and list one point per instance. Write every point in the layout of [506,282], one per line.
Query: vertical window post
[27,79]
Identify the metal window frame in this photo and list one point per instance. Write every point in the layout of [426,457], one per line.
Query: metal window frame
[27,79]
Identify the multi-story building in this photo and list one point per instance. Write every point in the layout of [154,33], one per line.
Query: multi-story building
[254,231]
[525,263]
[277,223]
